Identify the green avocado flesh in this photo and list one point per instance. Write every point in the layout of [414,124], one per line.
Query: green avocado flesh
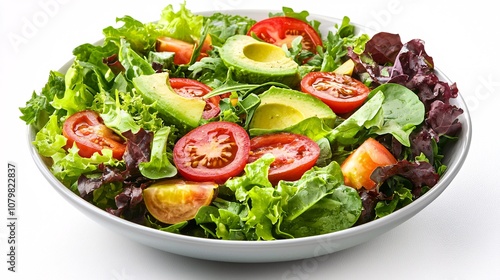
[183,112]
[258,62]
[282,108]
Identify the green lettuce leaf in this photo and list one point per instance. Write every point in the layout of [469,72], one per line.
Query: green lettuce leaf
[77,95]
[338,210]
[182,25]
[315,204]
[368,115]
[222,26]
[94,55]
[39,108]
[115,117]
[402,112]
[390,109]
[49,141]
[126,110]
[159,165]
[256,174]
[134,64]
[141,37]
[321,203]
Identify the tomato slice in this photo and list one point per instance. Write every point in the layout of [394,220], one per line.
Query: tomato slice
[359,165]
[215,151]
[173,201]
[193,88]
[340,92]
[88,131]
[294,154]
[183,50]
[283,30]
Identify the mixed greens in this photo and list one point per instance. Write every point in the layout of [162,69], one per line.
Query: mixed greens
[408,111]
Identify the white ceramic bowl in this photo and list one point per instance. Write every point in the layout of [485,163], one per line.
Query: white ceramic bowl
[268,251]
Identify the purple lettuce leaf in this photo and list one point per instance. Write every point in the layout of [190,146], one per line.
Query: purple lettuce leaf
[384,47]
[420,173]
[443,118]
[369,200]
[137,150]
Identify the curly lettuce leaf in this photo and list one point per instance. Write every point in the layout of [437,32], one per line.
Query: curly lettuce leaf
[256,174]
[39,107]
[49,141]
[142,37]
[115,117]
[134,64]
[125,110]
[182,25]
[71,166]
[77,95]
[94,55]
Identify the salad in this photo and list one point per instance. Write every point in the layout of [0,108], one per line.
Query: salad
[232,128]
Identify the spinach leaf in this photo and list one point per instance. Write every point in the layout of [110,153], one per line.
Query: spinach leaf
[339,210]
[402,111]
[321,203]
[391,109]
[39,108]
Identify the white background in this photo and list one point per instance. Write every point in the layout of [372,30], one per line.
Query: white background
[456,237]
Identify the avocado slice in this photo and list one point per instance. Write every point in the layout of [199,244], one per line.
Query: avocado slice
[282,108]
[258,62]
[183,112]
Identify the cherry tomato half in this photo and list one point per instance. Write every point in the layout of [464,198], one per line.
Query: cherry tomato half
[340,92]
[192,88]
[283,30]
[294,154]
[88,131]
[215,151]
[183,50]
[174,200]
[358,166]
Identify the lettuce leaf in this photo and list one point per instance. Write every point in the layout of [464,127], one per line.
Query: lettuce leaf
[49,141]
[402,112]
[391,109]
[77,95]
[222,26]
[39,107]
[182,25]
[315,204]
[159,165]
[321,203]
[141,37]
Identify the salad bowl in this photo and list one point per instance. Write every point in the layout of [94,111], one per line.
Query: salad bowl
[276,250]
